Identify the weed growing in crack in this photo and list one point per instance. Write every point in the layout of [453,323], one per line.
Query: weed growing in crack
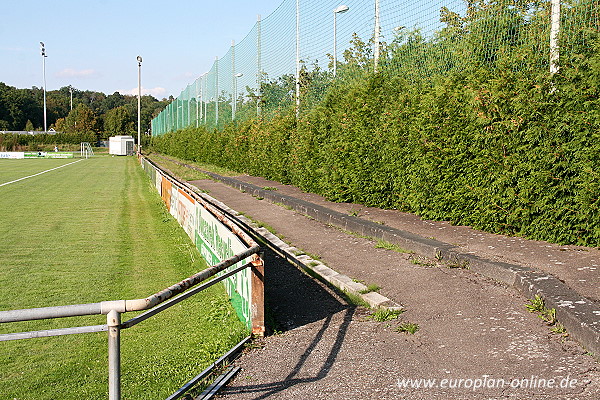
[407,327]
[370,288]
[548,315]
[385,314]
[382,244]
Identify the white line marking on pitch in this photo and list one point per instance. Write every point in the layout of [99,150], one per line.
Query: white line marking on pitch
[39,173]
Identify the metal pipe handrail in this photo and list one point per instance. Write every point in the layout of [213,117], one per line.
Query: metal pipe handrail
[53,332]
[235,228]
[163,306]
[127,324]
[121,306]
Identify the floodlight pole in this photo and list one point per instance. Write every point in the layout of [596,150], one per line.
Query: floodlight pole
[71,91]
[338,10]
[44,73]
[139,59]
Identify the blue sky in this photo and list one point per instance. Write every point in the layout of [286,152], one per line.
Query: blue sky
[93,45]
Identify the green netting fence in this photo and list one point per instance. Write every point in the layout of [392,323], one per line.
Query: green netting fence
[287,59]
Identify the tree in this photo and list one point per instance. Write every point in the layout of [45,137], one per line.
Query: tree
[114,100]
[118,121]
[81,119]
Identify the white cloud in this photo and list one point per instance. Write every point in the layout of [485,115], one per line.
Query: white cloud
[186,76]
[72,73]
[158,92]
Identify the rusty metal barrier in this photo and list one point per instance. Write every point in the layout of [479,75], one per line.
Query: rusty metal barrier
[154,304]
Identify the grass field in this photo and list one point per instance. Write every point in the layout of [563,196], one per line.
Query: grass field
[186,173]
[91,231]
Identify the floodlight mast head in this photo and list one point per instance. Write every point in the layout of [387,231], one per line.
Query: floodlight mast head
[139,58]
[341,9]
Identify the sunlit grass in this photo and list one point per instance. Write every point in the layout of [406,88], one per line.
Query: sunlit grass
[206,167]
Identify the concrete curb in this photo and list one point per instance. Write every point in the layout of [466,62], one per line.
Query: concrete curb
[579,315]
[307,263]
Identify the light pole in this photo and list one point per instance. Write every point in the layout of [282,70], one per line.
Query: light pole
[234,102]
[139,59]
[71,91]
[44,72]
[338,10]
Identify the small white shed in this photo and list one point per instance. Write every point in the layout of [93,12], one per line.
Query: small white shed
[121,145]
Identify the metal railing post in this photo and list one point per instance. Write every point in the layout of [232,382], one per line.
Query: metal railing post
[113,320]
[258,295]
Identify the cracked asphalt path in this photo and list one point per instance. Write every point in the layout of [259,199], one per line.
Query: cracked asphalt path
[470,327]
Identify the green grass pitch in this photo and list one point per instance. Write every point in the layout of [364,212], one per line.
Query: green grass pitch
[92,231]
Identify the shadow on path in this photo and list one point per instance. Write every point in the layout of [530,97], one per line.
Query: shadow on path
[296,300]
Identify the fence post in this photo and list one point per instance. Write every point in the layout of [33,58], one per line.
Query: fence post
[233,81]
[258,295]
[297,59]
[376,34]
[217,92]
[113,320]
[554,32]
[258,68]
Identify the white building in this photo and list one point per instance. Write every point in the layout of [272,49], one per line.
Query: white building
[121,145]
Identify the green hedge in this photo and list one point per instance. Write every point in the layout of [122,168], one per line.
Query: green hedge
[501,150]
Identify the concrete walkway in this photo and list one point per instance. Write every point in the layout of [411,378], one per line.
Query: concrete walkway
[578,267]
[475,338]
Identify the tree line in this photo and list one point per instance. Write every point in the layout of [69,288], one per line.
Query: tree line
[91,113]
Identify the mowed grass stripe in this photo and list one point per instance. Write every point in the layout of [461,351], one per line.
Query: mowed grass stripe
[95,231]
[11,170]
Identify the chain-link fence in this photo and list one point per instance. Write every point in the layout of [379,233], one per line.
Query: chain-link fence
[288,58]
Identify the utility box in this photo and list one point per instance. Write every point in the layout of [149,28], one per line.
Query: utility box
[121,145]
